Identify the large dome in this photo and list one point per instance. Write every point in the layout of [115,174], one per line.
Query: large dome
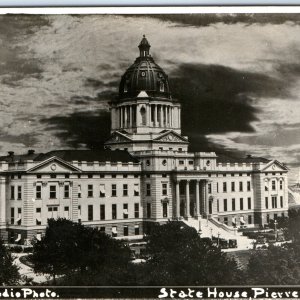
[144,75]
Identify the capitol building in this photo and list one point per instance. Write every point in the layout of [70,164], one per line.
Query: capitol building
[143,176]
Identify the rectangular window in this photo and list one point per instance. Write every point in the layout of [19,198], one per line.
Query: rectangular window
[125,189]
[136,210]
[249,203]
[125,230]
[226,221]
[233,204]
[165,209]
[66,191]
[38,212]
[217,187]
[113,190]
[90,190]
[114,231]
[209,188]
[248,186]
[148,189]
[136,191]
[125,211]
[102,229]
[148,210]
[90,213]
[12,192]
[38,192]
[102,190]
[281,201]
[136,229]
[273,185]
[52,212]
[241,186]
[52,191]
[165,189]
[79,190]
[224,187]
[280,184]
[102,212]
[268,218]
[218,205]
[249,219]
[274,202]
[66,212]
[19,192]
[225,204]
[275,216]
[79,211]
[114,211]
[233,186]
[12,215]
[241,203]
[266,202]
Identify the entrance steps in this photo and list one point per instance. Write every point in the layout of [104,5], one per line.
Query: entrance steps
[212,227]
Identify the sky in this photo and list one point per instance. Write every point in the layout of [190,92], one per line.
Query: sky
[236,76]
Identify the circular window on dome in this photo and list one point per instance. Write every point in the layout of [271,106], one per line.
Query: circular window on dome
[143,74]
[164,162]
[147,162]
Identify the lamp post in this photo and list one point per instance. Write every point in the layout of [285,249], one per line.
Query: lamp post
[218,238]
[275,227]
[211,232]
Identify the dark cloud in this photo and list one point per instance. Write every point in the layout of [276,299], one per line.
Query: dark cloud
[13,29]
[218,99]
[200,20]
[26,139]
[81,129]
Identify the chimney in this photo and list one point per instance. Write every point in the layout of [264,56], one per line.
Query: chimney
[11,153]
[30,151]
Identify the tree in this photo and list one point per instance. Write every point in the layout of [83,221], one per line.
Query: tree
[274,266]
[9,274]
[82,254]
[179,257]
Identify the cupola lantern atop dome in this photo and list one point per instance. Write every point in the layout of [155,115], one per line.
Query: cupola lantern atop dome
[144,47]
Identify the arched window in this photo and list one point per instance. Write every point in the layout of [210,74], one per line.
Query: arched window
[161,86]
[143,115]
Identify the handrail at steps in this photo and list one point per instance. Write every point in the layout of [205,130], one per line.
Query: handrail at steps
[221,225]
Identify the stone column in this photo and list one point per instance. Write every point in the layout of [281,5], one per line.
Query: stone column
[197,200]
[121,117]
[177,199]
[161,117]
[130,116]
[206,197]
[138,116]
[2,202]
[187,194]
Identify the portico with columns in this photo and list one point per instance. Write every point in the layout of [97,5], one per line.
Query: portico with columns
[192,199]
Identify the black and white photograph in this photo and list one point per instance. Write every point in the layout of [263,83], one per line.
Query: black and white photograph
[150,150]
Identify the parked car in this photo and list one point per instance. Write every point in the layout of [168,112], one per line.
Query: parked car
[232,243]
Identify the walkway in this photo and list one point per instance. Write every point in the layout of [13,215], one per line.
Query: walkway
[25,270]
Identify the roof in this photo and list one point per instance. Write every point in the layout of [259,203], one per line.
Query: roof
[75,155]
[144,75]
[223,158]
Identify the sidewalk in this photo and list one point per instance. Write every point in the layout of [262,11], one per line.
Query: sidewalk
[25,270]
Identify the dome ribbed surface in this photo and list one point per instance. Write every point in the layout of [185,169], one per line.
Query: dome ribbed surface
[144,75]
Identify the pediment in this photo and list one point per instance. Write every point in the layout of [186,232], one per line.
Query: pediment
[170,137]
[54,165]
[274,166]
[118,137]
